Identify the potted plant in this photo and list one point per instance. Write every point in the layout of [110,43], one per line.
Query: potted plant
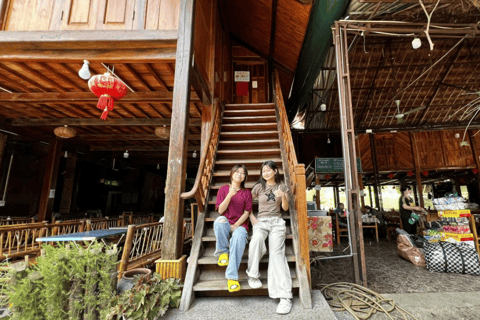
[148,300]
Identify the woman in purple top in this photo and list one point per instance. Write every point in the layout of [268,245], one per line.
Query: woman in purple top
[234,204]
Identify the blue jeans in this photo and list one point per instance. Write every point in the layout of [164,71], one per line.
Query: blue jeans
[238,240]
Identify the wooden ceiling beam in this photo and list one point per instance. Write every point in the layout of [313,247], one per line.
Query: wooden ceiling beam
[57,97]
[60,75]
[137,76]
[137,148]
[98,122]
[128,137]
[156,76]
[34,73]
[22,77]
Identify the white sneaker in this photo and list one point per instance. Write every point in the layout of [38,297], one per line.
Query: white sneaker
[284,306]
[254,283]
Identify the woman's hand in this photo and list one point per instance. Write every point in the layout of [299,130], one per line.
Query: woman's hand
[253,219]
[233,227]
[232,191]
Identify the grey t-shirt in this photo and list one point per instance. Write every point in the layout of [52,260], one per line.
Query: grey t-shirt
[269,204]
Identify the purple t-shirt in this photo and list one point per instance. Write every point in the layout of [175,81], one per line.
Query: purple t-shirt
[240,202]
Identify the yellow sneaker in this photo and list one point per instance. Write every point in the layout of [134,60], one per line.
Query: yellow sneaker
[223,260]
[233,286]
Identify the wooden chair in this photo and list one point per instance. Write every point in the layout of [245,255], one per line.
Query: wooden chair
[393,222]
[339,229]
[371,226]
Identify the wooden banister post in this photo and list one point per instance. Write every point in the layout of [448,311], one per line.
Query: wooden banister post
[172,244]
[69,176]
[126,251]
[301,200]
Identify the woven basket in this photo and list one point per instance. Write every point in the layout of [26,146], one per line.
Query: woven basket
[65,132]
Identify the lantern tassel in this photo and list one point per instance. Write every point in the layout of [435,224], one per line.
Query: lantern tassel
[106,103]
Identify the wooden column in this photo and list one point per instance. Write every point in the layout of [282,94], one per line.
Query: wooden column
[3,11]
[69,178]
[415,193]
[376,180]
[172,244]
[416,161]
[49,181]
[336,196]
[370,194]
[475,153]
[317,192]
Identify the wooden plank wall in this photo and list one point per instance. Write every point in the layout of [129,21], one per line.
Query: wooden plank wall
[204,41]
[42,15]
[437,150]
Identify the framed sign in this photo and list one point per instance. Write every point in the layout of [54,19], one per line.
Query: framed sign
[332,165]
[242,76]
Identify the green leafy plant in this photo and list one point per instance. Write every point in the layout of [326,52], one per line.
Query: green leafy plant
[147,300]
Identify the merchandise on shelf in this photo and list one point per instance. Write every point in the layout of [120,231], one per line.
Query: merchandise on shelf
[450,203]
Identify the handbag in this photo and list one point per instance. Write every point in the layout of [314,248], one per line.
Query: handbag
[452,257]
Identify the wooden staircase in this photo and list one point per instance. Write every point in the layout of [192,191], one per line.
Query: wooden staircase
[246,134]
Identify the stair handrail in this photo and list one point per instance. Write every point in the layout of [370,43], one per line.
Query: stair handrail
[295,179]
[205,169]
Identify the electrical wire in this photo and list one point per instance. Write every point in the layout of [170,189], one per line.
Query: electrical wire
[360,302]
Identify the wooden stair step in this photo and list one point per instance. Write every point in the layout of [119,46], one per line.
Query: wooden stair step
[248,119]
[214,260]
[209,251]
[248,134]
[221,285]
[249,151]
[211,238]
[215,272]
[226,173]
[241,106]
[249,126]
[249,161]
[249,112]
[244,143]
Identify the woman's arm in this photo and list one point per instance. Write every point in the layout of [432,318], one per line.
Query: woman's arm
[240,221]
[253,219]
[224,205]
[284,199]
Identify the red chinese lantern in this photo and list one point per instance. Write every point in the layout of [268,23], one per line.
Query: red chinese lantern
[327,176]
[108,89]
[391,175]
[475,170]
[425,173]
[409,173]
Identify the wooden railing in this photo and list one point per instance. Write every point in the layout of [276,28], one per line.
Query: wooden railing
[143,244]
[20,240]
[204,174]
[295,180]
[104,223]
[16,220]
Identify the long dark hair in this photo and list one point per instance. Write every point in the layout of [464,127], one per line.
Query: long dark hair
[272,166]
[235,168]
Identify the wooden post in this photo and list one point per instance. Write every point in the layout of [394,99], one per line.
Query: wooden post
[317,192]
[376,179]
[361,187]
[126,251]
[172,244]
[475,154]
[68,183]
[336,196]
[416,161]
[49,181]
[370,195]
[3,12]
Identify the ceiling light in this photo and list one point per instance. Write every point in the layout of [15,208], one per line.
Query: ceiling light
[65,154]
[194,154]
[158,166]
[84,72]
[369,131]
[323,107]
[125,155]
[457,135]
[328,139]
[65,132]
[393,131]
[416,43]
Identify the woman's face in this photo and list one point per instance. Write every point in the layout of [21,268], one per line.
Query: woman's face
[408,192]
[239,175]
[268,173]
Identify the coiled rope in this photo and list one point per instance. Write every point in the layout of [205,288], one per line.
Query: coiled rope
[359,301]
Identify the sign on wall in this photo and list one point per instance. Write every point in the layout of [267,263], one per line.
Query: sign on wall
[332,165]
[242,76]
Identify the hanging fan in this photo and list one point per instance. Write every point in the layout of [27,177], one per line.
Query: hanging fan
[399,116]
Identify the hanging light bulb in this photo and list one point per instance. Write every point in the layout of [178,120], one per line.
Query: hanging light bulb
[323,107]
[194,154]
[158,166]
[65,154]
[84,72]
[457,135]
[125,155]
[328,139]
[416,43]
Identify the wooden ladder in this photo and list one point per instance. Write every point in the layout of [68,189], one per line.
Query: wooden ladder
[248,135]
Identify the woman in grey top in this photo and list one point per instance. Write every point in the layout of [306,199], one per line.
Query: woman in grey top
[272,196]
